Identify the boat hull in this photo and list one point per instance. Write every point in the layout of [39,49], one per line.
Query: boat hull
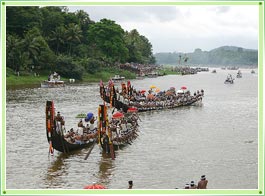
[61,145]
[52,84]
[56,138]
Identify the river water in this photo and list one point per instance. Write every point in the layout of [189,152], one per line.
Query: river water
[218,138]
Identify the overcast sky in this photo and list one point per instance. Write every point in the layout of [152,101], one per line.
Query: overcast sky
[185,28]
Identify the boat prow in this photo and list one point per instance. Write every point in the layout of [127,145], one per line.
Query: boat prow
[55,133]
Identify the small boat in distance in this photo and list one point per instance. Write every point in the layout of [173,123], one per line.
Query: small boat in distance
[252,71]
[117,78]
[54,80]
[239,74]
[52,84]
[229,79]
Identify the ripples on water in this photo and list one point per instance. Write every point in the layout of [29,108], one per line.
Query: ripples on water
[219,138]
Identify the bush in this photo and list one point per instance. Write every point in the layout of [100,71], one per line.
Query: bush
[66,67]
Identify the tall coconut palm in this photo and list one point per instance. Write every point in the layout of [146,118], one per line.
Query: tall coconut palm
[13,46]
[58,36]
[33,45]
[73,35]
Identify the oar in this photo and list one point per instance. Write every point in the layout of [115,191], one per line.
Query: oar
[88,153]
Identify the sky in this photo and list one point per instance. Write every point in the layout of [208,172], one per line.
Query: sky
[185,28]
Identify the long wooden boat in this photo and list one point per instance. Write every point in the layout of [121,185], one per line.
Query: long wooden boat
[119,132]
[56,137]
[109,135]
[112,99]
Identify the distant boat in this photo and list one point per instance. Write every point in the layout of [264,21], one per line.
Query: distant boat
[53,81]
[252,71]
[118,78]
[239,74]
[233,68]
[52,84]
[229,79]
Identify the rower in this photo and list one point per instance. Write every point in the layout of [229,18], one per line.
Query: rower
[91,119]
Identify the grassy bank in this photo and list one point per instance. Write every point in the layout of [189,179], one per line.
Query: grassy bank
[29,78]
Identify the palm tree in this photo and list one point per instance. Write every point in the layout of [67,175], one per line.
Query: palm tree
[32,47]
[13,46]
[58,36]
[73,35]
[83,18]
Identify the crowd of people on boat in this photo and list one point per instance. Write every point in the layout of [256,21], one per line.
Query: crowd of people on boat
[54,77]
[123,129]
[84,133]
[154,98]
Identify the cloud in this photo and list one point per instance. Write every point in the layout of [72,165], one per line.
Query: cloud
[184,28]
[130,13]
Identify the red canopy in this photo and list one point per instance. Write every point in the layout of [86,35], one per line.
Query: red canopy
[94,186]
[183,87]
[118,115]
[132,110]
[143,91]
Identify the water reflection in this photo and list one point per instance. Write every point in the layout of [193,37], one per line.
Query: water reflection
[106,165]
[56,170]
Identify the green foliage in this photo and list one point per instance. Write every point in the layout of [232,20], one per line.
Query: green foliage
[52,19]
[13,50]
[91,65]
[57,39]
[36,48]
[66,63]
[51,38]
[140,49]
[107,36]
[226,55]
[21,19]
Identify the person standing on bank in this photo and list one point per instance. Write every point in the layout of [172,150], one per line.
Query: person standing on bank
[130,184]
[202,184]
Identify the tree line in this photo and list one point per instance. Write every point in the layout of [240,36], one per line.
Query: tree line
[52,38]
[225,55]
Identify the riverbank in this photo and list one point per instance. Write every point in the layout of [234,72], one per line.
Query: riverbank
[25,79]
[30,79]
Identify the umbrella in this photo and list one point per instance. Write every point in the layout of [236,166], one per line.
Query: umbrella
[118,115]
[94,186]
[180,91]
[183,87]
[132,110]
[143,91]
[152,86]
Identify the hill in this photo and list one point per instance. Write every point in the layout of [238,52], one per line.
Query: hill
[225,55]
